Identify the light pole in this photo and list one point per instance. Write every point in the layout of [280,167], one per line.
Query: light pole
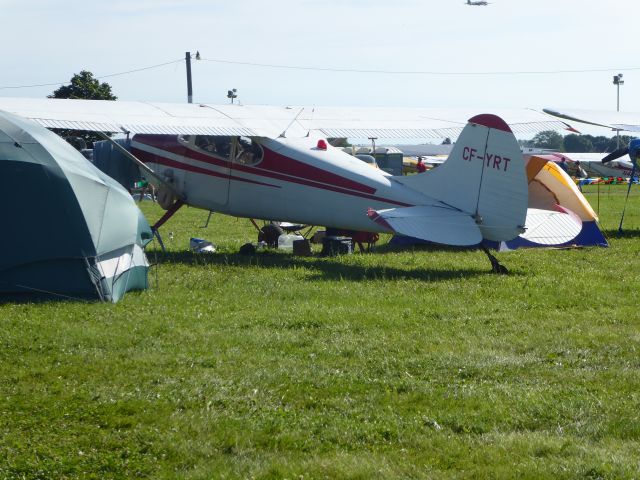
[617,81]
[373,145]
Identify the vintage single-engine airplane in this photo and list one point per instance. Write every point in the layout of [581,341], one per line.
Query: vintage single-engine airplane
[276,163]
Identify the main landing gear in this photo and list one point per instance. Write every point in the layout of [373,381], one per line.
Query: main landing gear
[496,266]
[167,215]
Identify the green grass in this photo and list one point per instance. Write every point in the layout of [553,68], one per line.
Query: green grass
[396,364]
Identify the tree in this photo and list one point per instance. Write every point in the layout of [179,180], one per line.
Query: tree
[600,143]
[624,141]
[83,85]
[547,139]
[577,143]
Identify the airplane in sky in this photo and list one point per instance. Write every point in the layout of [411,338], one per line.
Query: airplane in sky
[276,163]
[478,3]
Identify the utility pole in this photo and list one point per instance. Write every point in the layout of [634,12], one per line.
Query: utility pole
[187,59]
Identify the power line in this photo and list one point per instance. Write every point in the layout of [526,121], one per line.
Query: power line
[143,68]
[416,72]
[97,78]
[342,70]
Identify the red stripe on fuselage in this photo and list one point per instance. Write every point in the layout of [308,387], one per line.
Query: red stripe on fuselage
[278,163]
[273,164]
[192,168]
[272,160]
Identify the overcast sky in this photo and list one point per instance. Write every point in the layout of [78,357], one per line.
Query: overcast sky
[47,41]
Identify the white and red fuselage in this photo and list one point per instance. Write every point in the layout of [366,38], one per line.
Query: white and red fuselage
[298,180]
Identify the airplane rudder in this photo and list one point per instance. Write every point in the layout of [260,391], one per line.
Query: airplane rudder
[457,181]
[503,197]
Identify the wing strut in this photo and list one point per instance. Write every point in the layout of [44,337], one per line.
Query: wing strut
[181,199]
[284,132]
[143,166]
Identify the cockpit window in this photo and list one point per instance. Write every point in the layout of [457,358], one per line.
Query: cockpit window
[205,142]
[219,146]
[248,152]
[223,146]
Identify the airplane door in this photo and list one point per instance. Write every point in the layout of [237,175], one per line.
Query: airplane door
[251,193]
[207,169]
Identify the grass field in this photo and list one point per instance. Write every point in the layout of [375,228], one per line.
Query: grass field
[396,364]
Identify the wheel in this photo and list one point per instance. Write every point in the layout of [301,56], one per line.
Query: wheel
[269,234]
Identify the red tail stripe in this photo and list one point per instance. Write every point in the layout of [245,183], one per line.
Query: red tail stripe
[491,121]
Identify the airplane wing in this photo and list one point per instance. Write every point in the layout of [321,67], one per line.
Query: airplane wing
[261,120]
[387,122]
[628,121]
[586,157]
[150,118]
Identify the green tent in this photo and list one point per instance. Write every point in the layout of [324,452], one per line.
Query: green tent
[69,230]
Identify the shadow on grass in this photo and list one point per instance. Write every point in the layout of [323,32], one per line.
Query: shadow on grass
[330,268]
[626,233]
[41,298]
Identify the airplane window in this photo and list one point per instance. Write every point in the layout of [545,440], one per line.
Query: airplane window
[248,152]
[205,142]
[223,146]
[220,146]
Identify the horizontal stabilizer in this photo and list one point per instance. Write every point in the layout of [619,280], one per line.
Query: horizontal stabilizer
[548,227]
[437,224]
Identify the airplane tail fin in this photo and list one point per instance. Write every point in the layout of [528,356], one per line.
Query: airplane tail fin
[484,178]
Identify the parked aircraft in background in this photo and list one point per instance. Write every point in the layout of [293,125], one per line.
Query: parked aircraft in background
[617,121]
[611,164]
[592,164]
[627,121]
[633,150]
[275,163]
[478,3]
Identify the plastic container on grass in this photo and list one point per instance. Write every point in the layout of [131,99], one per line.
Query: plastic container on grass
[285,241]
